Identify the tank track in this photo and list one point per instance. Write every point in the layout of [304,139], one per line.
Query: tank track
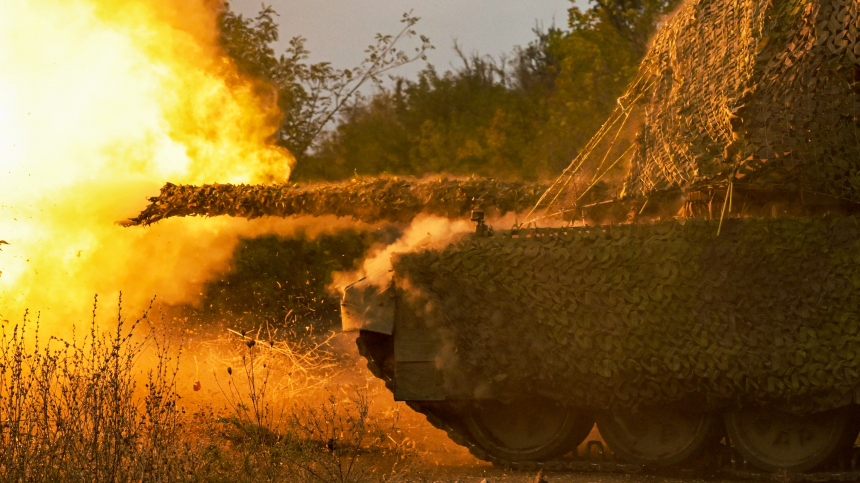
[724,463]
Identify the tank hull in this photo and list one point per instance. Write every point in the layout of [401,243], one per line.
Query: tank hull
[627,318]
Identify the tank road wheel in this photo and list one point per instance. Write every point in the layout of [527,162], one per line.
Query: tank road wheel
[657,436]
[776,440]
[526,430]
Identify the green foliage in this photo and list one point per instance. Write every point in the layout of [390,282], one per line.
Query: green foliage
[273,278]
[524,117]
[311,95]
[247,41]
[633,20]
[479,119]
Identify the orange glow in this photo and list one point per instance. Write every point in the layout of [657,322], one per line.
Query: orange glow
[101,102]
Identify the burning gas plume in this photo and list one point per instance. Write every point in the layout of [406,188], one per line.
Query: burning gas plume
[101,102]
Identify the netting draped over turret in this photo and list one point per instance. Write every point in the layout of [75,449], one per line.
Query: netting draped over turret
[700,65]
[760,94]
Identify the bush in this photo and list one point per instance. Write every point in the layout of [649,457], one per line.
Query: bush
[276,279]
[72,410]
[105,407]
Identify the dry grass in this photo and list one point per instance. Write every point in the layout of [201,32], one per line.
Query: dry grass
[104,407]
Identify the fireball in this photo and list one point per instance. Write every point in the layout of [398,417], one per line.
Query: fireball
[101,102]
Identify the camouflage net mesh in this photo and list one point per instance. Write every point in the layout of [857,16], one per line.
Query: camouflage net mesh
[734,94]
[749,93]
[369,199]
[642,314]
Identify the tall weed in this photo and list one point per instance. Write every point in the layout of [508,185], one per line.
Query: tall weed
[71,409]
[104,407]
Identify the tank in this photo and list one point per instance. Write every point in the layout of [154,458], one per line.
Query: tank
[710,307]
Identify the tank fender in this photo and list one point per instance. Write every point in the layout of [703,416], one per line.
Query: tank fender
[368,306]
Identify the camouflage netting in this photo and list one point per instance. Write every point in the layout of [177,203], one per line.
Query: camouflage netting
[643,314]
[369,200]
[759,94]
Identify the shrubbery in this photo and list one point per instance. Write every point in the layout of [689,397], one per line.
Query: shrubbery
[107,407]
[277,279]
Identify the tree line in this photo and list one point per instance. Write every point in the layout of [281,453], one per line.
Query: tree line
[522,116]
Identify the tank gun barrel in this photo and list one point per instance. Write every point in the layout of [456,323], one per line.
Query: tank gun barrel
[370,200]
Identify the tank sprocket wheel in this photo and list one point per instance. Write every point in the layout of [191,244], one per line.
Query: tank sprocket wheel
[774,440]
[661,436]
[532,429]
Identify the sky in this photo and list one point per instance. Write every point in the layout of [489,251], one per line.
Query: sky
[338,31]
